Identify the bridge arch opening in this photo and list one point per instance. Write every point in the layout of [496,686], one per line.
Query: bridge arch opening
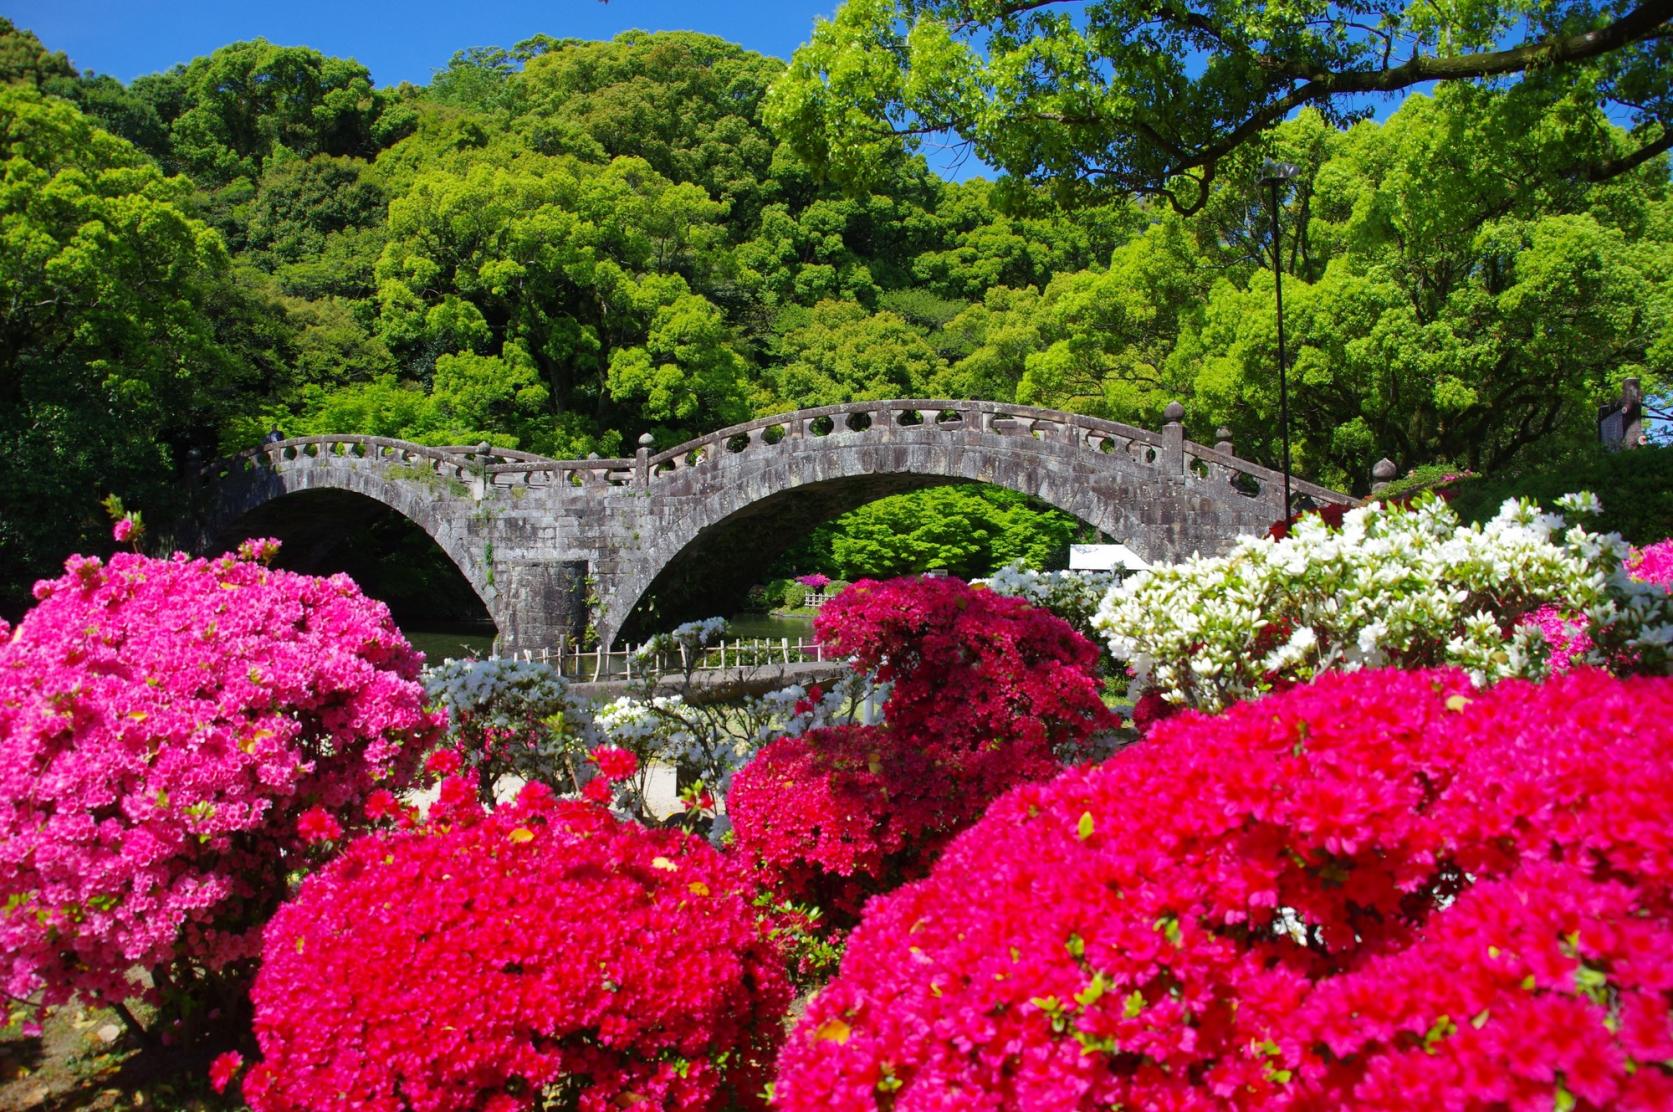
[713,573]
[327,531]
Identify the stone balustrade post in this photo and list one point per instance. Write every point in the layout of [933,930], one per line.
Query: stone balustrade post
[1383,473]
[1173,440]
[479,473]
[642,460]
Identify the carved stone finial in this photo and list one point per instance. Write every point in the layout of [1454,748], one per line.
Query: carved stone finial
[1384,470]
[1174,413]
[483,448]
[646,440]
[592,455]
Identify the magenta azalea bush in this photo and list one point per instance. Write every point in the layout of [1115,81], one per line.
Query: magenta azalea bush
[544,955]
[985,692]
[166,726]
[1381,890]
[1653,564]
[1566,632]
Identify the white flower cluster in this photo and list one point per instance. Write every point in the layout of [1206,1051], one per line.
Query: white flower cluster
[690,637]
[497,686]
[508,716]
[1071,595]
[714,742]
[1412,587]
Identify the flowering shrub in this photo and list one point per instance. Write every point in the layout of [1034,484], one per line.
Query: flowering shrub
[509,717]
[985,692]
[1565,631]
[175,732]
[1653,564]
[1392,585]
[1382,890]
[1072,596]
[814,582]
[709,742]
[542,955]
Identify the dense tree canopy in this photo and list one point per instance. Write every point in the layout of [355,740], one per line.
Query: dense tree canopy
[561,245]
[1153,98]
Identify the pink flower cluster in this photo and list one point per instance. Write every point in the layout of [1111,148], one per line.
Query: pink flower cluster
[499,961]
[815,582]
[1567,633]
[1381,890]
[167,728]
[1653,564]
[987,692]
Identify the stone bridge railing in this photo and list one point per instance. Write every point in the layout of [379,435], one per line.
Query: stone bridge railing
[850,423]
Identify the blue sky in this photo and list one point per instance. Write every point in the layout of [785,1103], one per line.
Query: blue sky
[396,41]
[402,41]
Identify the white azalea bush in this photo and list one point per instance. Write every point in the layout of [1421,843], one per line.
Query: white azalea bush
[1073,596]
[710,742]
[1409,586]
[509,717]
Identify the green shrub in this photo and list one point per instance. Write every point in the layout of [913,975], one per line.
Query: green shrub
[1635,487]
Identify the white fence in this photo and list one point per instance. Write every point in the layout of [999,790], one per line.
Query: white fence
[742,652]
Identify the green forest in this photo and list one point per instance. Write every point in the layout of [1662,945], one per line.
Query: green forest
[559,245]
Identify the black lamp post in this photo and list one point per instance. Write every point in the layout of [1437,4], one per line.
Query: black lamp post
[1275,174]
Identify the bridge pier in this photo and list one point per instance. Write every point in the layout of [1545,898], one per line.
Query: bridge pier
[538,604]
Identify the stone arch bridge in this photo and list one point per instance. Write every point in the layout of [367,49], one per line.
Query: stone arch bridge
[559,548]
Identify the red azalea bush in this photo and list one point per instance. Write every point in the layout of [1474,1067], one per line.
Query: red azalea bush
[544,952]
[986,692]
[1380,890]
[165,726]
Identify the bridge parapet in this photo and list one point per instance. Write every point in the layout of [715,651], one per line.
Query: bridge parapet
[459,462]
[850,422]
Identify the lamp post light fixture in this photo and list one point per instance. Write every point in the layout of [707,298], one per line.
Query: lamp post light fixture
[1275,175]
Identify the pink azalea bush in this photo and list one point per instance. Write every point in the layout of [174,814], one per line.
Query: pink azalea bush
[1566,632]
[541,954]
[173,735]
[985,692]
[1653,564]
[1384,889]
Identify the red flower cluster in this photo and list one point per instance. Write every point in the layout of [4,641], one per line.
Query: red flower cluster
[1381,890]
[987,692]
[171,732]
[544,951]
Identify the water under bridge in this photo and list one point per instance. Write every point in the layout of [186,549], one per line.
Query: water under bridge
[566,548]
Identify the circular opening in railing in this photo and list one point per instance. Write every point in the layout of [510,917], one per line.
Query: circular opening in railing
[1305,503]
[858,422]
[311,450]
[772,434]
[287,453]
[696,456]
[949,417]
[821,426]
[909,417]
[1149,455]
[1105,444]
[574,478]
[357,450]
[663,467]
[737,442]
[1246,484]
[1199,468]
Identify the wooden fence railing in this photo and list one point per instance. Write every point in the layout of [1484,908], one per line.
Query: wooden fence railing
[637,662]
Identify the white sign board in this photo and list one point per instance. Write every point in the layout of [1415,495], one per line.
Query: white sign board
[1104,557]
